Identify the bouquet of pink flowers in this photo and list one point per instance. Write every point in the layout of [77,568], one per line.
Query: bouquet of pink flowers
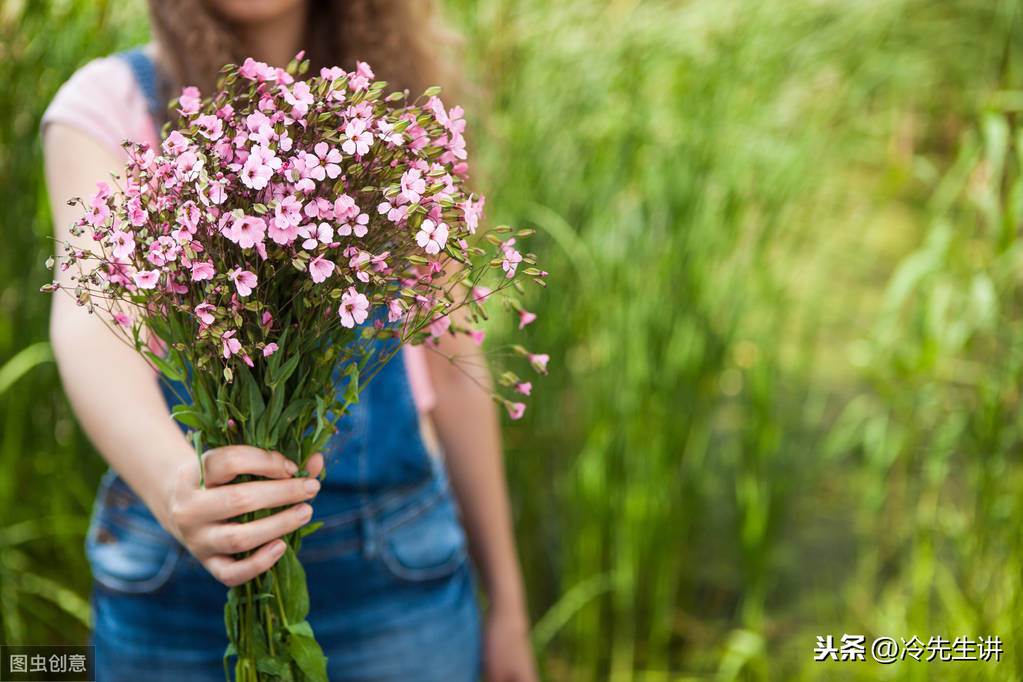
[289,232]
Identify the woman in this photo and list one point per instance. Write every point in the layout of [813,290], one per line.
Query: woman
[392,590]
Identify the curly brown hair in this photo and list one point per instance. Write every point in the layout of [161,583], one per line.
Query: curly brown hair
[403,40]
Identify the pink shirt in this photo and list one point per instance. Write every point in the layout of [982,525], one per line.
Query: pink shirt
[103,101]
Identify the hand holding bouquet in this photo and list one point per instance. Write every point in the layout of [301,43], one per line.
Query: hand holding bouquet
[286,240]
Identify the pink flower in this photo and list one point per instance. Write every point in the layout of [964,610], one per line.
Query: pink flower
[473,212]
[395,213]
[331,74]
[210,127]
[432,236]
[480,293]
[388,134]
[539,362]
[394,310]
[122,243]
[137,215]
[204,311]
[266,319]
[524,387]
[320,269]
[324,164]
[189,100]
[477,335]
[188,216]
[358,138]
[162,251]
[516,410]
[175,144]
[359,228]
[146,279]
[345,208]
[202,270]
[269,350]
[354,308]
[439,326]
[231,345]
[315,235]
[259,127]
[244,281]
[361,77]
[284,226]
[98,213]
[122,319]
[359,263]
[299,97]
[379,263]
[512,258]
[257,71]
[526,317]
[216,193]
[246,231]
[283,232]
[259,168]
[102,192]
[188,166]
[412,185]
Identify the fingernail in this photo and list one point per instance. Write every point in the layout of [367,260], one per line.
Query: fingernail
[290,467]
[277,549]
[305,512]
[312,485]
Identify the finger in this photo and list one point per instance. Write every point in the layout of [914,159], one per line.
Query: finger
[234,499]
[314,465]
[225,464]
[233,572]
[232,538]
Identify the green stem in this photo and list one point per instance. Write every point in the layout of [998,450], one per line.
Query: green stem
[269,624]
[277,594]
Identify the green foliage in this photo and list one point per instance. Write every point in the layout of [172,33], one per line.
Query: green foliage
[783,318]
[44,581]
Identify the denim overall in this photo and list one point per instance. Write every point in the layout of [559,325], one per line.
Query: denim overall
[392,591]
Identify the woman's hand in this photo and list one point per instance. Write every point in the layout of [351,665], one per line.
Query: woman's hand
[507,652]
[199,517]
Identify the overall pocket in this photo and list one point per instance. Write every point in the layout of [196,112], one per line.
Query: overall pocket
[128,550]
[427,545]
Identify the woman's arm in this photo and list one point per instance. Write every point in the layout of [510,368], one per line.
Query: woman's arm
[468,429]
[115,395]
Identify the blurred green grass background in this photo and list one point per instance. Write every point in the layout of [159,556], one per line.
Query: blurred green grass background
[784,318]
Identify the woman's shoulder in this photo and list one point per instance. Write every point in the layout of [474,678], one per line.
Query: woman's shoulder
[102,100]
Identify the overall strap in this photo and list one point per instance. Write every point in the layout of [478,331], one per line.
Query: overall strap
[147,78]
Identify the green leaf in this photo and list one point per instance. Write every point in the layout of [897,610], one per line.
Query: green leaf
[166,367]
[231,620]
[308,655]
[253,393]
[352,388]
[188,416]
[197,446]
[233,410]
[268,424]
[256,638]
[301,628]
[296,408]
[292,586]
[310,528]
[273,665]
[322,423]
[285,372]
[229,651]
